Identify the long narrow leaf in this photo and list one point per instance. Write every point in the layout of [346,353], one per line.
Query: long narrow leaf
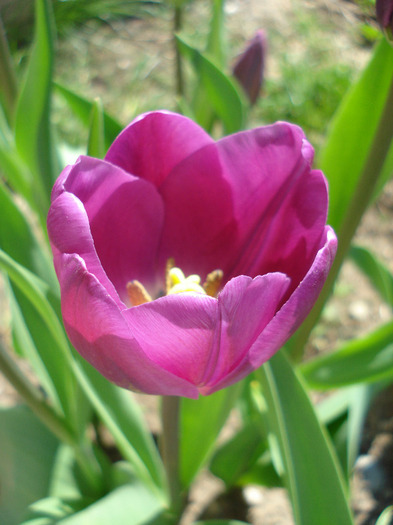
[32,122]
[353,130]
[312,472]
[96,141]
[221,93]
[367,359]
[378,274]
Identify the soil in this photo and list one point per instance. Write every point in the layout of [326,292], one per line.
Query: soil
[355,309]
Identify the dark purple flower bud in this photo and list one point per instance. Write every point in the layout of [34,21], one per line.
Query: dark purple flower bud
[249,68]
[384,10]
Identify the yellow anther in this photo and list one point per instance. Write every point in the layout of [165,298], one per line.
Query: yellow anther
[179,283]
[213,282]
[137,293]
[176,276]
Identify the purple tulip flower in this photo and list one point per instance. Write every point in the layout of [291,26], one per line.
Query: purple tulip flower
[246,215]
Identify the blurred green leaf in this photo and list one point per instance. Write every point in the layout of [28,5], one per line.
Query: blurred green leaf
[222,95]
[236,456]
[96,140]
[18,239]
[215,45]
[379,276]
[130,504]
[40,310]
[124,419]
[82,108]
[352,132]
[220,522]
[366,359]
[33,136]
[304,447]
[200,423]
[26,456]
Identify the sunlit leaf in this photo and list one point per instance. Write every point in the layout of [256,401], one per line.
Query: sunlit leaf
[369,358]
[305,448]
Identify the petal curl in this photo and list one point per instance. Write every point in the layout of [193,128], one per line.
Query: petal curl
[101,334]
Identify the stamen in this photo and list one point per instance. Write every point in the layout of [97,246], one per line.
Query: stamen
[137,293]
[168,280]
[213,282]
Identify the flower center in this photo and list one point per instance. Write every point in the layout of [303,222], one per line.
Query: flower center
[176,282]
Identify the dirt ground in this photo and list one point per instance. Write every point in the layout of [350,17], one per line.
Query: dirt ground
[354,310]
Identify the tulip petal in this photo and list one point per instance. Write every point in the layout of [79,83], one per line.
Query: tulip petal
[289,317]
[279,204]
[154,143]
[102,336]
[177,332]
[125,214]
[246,306]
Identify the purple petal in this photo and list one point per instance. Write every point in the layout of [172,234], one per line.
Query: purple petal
[177,332]
[246,307]
[154,143]
[125,216]
[289,317]
[103,337]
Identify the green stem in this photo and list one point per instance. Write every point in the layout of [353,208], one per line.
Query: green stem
[33,398]
[170,450]
[362,197]
[177,25]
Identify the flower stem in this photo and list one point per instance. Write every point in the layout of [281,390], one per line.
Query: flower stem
[361,198]
[170,412]
[33,398]
[177,25]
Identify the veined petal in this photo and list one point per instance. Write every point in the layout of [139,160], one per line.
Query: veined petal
[246,307]
[154,143]
[177,332]
[101,334]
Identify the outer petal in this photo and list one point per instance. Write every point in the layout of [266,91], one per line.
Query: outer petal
[280,205]
[177,332]
[102,336]
[125,217]
[288,318]
[246,306]
[154,143]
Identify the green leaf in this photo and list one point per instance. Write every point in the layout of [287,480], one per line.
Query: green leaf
[379,276]
[123,417]
[32,121]
[131,504]
[26,455]
[221,93]
[353,130]
[8,85]
[200,423]
[40,311]
[235,457]
[366,359]
[96,140]
[215,45]
[82,108]
[304,447]
[220,522]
